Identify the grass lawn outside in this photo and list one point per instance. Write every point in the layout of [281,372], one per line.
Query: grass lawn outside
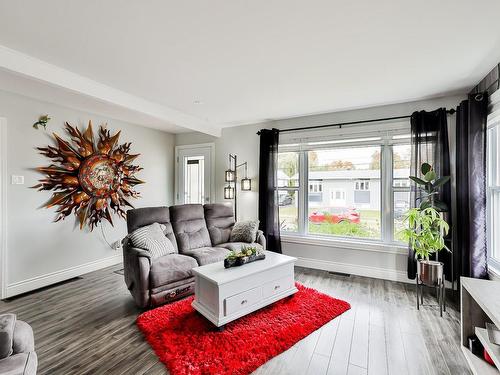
[343,229]
[368,228]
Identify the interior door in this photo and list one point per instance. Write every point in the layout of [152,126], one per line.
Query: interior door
[194,174]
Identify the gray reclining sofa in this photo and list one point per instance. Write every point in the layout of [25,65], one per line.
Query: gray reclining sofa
[200,235]
[17,347]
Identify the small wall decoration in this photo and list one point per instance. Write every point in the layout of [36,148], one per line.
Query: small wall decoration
[42,121]
[89,177]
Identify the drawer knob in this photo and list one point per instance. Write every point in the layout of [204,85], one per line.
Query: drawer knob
[244,301]
[276,287]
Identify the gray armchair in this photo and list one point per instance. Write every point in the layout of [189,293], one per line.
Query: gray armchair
[17,347]
[199,234]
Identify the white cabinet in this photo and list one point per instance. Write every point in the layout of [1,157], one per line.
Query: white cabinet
[223,295]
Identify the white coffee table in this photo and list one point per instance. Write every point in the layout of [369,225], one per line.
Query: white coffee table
[223,295]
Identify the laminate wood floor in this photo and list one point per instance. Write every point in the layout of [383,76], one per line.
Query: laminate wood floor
[87,326]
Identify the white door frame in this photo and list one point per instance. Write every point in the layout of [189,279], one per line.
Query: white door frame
[3,208]
[212,168]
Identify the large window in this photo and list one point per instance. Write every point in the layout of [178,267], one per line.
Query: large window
[493,193]
[346,189]
[350,205]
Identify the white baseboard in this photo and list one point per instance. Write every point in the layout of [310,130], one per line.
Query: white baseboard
[354,269]
[58,276]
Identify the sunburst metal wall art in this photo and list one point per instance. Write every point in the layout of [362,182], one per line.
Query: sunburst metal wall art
[89,177]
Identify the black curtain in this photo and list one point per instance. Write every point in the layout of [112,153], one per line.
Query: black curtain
[470,245]
[429,144]
[268,193]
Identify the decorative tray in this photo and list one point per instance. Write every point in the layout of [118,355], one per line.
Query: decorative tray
[239,259]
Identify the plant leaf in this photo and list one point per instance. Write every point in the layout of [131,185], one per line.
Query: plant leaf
[425,205]
[440,206]
[441,181]
[417,180]
[429,176]
[425,168]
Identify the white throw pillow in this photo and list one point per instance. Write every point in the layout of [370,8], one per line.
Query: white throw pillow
[152,238]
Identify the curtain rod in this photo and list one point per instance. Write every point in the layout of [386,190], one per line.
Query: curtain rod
[339,124]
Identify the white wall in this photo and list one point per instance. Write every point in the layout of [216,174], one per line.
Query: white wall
[386,262]
[40,252]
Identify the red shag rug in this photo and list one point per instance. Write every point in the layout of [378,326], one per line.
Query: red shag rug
[187,343]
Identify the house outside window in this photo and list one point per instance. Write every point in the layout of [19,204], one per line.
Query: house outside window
[337,198]
[362,193]
[338,195]
[315,192]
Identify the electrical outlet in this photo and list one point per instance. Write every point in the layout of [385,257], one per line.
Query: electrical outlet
[17,180]
[116,245]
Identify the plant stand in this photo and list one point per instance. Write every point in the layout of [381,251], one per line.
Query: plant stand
[440,294]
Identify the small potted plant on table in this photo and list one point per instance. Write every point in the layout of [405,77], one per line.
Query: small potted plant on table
[246,255]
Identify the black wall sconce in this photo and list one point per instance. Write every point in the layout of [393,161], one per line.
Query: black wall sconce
[228,192]
[231,177]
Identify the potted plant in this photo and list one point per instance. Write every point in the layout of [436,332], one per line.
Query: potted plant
[425,234]
[246,255]
[427,226]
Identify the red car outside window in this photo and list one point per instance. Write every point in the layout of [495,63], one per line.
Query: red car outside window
[335,216]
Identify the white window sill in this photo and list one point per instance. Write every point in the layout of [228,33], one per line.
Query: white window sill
[494,274]
[493,269]
[355,244]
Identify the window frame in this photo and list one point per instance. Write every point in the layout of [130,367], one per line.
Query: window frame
[299,191]
[493,184]
[385,137]
[396,189]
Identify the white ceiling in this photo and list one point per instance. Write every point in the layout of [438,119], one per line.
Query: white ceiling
[248,61]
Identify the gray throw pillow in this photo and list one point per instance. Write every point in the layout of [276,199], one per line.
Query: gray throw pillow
[152,238]
[244,231]
[7,324]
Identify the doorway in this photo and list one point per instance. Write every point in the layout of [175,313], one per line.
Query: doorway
[194,174]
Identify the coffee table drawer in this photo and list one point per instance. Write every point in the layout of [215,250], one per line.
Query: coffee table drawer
[277,286]
[243,300]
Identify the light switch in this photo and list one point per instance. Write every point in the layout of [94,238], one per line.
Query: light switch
[17,180]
